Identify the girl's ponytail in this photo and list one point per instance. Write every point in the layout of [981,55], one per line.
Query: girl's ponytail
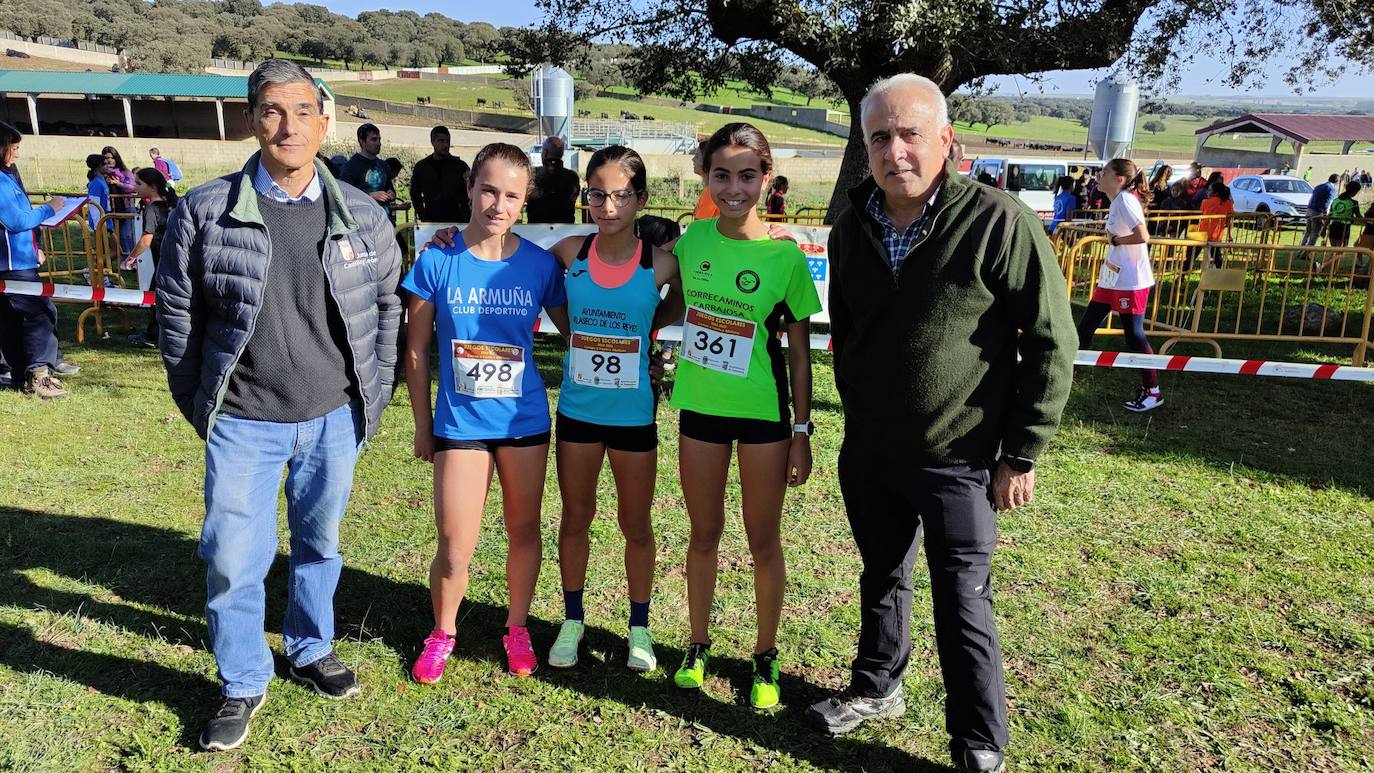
[1141,188]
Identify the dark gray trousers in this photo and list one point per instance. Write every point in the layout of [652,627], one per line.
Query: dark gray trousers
[889,502]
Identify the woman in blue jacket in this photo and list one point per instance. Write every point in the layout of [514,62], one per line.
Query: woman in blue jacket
[27,323]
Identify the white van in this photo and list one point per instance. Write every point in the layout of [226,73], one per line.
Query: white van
[1029,179]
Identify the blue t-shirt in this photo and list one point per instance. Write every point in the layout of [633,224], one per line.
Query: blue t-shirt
[99,191]
[485,310]
[1064,205]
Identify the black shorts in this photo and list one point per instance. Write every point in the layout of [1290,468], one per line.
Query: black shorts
[448,444]
[1339,232]
[633,439]
[726,429]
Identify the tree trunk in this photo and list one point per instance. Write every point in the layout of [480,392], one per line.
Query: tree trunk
[854,166]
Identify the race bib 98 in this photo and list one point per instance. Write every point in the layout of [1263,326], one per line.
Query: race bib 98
[488,370]
[718,342]
[603,361]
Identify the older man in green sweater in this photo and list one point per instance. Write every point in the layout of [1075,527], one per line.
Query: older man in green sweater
[937,284]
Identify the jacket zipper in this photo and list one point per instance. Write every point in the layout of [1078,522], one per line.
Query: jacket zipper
[253,326]
[332,243]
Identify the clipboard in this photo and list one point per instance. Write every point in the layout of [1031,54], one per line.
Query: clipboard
[66,212]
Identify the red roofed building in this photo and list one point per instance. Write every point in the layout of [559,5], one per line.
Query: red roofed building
[1298,129]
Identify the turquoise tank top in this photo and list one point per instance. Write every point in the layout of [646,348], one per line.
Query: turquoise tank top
[606,369]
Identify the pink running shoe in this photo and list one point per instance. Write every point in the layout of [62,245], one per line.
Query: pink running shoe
[519,653]
[429,667]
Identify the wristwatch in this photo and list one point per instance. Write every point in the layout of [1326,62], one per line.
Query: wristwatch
[1018,463]
[806,429]
[1112,239]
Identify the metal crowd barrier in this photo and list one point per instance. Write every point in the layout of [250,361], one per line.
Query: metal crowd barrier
[74,253]
[1248,227]
[1208,292]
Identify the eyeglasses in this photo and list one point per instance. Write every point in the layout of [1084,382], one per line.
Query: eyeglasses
[597,197]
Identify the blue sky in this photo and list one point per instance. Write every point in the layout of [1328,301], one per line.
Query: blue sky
[1200,81]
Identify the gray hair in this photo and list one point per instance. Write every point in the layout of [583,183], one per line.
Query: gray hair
[933,94]
[277,72]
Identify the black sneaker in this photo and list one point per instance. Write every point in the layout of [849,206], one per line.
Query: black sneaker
[844,712]
[980,761]
[228,726]
[328,677]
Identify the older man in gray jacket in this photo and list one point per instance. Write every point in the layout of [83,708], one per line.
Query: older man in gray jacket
[276,298]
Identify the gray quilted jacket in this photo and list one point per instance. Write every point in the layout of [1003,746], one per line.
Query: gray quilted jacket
[209,289]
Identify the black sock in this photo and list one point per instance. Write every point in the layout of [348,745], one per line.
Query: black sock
[639,614]
[572,605]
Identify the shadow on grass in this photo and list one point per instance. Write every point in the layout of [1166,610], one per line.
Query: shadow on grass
[1316,432]
[154,567]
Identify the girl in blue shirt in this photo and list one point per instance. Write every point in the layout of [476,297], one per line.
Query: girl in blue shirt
[1065,202]
[98,189]
[482,296]
[606,404]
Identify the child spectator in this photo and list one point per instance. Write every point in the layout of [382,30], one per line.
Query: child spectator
[1216,220]
[1344,210]
[157,197]
[97,188]
[1065,202]
[777,201]
[121,182]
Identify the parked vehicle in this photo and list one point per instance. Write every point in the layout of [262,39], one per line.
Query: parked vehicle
[1029,179]
[1276,193]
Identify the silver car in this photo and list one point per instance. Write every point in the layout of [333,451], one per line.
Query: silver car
[1279,194]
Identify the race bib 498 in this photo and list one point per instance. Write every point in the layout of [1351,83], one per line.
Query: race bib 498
[488,370]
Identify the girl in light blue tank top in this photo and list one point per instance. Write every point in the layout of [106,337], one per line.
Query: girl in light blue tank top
[606,403]
[606,370]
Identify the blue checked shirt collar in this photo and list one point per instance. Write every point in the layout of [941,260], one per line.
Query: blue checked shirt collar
[899,243]
[264,184]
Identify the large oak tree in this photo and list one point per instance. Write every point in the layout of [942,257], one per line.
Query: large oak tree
[689,47]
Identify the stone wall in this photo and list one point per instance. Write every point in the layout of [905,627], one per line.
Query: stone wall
[96,59]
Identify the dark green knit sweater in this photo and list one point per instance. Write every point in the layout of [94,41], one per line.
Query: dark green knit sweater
[927,362]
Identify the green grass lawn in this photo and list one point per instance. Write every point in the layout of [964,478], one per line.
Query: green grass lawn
[464,96]
[1178,137]
[1191,590]
[453,94]
[739,94]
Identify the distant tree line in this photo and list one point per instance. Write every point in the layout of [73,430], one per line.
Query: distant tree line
[181,35]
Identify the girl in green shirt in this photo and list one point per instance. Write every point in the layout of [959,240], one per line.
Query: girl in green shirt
[741,289]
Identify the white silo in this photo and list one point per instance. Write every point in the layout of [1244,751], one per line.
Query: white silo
[1111,132]
[552,91]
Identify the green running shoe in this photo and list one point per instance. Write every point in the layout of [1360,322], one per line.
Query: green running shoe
[692,674]
[765,693]
[563,653]
[641,657]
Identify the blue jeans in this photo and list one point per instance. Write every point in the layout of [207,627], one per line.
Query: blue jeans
[243,468]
